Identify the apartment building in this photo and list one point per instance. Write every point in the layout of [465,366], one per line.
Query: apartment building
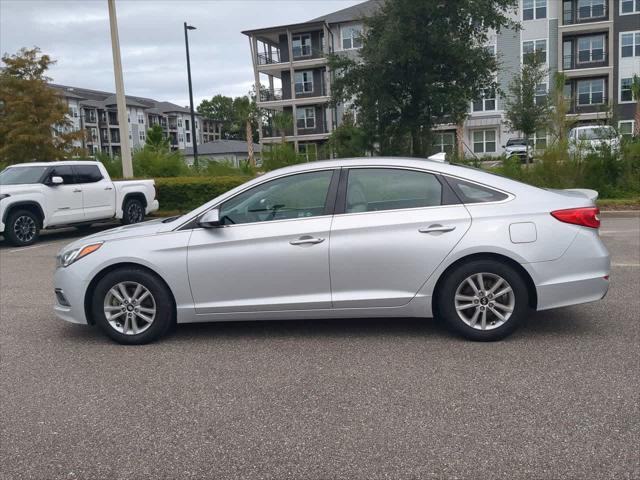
[595,43]
[96,112]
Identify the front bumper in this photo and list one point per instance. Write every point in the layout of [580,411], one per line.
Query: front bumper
[73,289]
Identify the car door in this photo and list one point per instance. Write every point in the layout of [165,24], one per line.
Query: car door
[98,196]
[392,228]
[272,253]
[64,201]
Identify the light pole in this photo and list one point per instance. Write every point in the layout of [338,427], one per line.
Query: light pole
[125,147]
[194,133]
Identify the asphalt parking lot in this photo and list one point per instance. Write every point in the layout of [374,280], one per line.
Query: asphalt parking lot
[356,399]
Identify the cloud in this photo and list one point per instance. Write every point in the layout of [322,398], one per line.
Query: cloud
[76,34]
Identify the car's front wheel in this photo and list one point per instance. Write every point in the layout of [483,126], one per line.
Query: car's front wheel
[483,300]
[22,228]
[132,306]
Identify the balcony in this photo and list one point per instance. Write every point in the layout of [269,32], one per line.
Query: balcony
[572,15]
[266,59]
[585,59]
[271,95]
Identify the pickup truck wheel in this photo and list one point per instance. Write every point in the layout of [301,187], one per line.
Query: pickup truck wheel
[22,228]
[132,212]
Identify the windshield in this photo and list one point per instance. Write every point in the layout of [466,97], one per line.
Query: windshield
[595,133]
[21,175]
[518,141]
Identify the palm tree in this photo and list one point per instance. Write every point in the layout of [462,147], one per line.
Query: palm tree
[282,122]
[635,92]
[247,113]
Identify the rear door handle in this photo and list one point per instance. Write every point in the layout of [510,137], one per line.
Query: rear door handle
[437,228]
[108,188]
[306,240]
[77,190]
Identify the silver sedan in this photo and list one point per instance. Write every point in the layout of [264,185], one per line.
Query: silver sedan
[342,239]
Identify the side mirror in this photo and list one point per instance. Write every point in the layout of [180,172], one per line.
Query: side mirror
[56,180]
[211,219]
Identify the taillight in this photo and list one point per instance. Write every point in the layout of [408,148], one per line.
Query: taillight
[586,217]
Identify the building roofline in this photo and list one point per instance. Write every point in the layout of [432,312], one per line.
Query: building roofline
[281,27]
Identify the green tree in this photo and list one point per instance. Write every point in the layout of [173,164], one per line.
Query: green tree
[420,64]
[282,123]
[558,122]
[219,109]
[635,92]
[246,114]
[348,140]
[523,111]
[30,111]
[156,140]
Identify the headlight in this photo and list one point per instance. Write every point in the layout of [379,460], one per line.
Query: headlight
[67,258]
[4,195]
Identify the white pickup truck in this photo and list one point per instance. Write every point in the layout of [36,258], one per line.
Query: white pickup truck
[45,195]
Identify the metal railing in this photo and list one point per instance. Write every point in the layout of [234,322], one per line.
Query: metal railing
[271,96]
[586,60]
[266,59]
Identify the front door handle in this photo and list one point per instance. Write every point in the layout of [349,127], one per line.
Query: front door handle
[306,240]
[437,228]
[108,188]
[77,190]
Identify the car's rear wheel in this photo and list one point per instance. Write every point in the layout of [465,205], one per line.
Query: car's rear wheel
[133,211]
[483,300]
[22,228]
[132,306]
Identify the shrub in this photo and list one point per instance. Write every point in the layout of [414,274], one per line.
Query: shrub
[279,156]
[187,193]
[149,162]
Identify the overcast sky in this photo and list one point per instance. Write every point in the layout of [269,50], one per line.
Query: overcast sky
[76,34]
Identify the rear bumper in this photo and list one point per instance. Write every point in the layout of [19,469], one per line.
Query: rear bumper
[153,206]
[1,226]
[581,275]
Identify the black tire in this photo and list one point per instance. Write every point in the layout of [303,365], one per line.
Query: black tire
[446,300]
[162,297]
[132,211]
[22,228]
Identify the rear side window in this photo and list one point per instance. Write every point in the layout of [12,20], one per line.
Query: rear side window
[64,171]
[87,173]
[472,193]
[376,189]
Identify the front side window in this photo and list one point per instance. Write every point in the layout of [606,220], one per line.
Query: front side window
[630,44]
[591,49]
[591,92]
[534,9]
[588,9]
[351,37]
[378,189]
[487,102]
[629,6]
[296,196]
[306,117]
[87,173]
[301,45]
[484,141]
[64,171]
[304,81]
[534,49]
[444,142]
[626,93]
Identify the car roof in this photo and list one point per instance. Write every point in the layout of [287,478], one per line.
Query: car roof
[51,164]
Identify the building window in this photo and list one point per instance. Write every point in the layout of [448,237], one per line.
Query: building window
[141,118]
[306,117]
[534,9]
[180,122]
[591,49]
[180,137]
[443,142]
[588,9]
[539,140]
[351,37]
[629,6]
[591,92]
[541,94]
[625,128]
[143,136]
[626,93]
[630,44]
[308,151]
[304,82]
[487,102]
[534,48]
[188,136]
[301,45]
[186,125]
[484,141]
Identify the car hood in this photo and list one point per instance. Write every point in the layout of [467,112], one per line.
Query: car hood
[120,233]
[516,148]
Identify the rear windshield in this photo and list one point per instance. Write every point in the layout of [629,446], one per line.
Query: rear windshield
[21,175]
[595,133]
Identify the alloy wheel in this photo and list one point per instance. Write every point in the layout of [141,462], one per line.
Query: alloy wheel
[484,301]
[134,212]
[24,228]
[130,308]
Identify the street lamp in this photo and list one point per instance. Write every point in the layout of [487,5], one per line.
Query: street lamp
[194,134]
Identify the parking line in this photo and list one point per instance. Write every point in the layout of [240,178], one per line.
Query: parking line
[24,249]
